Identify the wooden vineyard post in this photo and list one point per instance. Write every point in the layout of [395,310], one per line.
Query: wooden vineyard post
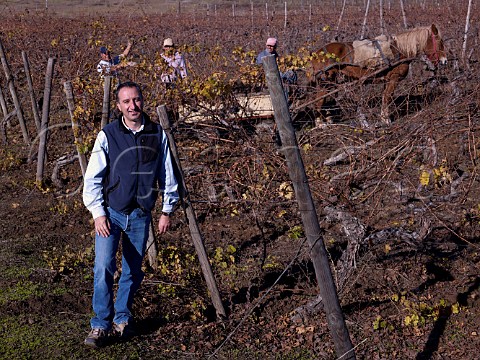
[364,26]
[328,292]
[382,22]
[42,143]
[6,117]
[3,104]
[152,251]
[341,14]
[465,36]
[36,115]
[16,102]
[67,85]
[251,13]
[191,219]
[402,7]
[106,100]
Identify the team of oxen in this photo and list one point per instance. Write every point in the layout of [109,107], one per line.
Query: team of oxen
[385,59]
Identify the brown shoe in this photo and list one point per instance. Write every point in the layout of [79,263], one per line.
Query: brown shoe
[96,338]
[124,330]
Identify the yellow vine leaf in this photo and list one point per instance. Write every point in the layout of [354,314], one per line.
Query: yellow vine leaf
[455,308]
[424,178]
[387,248]
[307,147]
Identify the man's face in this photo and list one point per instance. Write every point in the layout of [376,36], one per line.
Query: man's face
[168,49]
[271,48]
[130,103]
[105,56]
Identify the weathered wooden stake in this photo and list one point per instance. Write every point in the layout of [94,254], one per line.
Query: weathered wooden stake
[402,7]
[42,143]
[36,115]
[341,14]
[3,104]
[6,117]
[382,23]
[67,85]
[328,292]
[106,100]
[191,219]
[364,25]
[465,34]
[16,102]
[251,12]
[152,251]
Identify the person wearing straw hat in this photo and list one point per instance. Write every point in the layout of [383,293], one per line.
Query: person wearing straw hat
[175,66]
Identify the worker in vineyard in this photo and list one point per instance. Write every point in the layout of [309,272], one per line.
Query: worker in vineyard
[288,77]
[174,66]
[109,65]
[129,166]
[271,49]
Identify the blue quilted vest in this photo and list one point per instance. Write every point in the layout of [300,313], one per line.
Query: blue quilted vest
[133,159]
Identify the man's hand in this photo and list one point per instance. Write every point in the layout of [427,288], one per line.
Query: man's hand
[102,226]
[127,49]
[163,224]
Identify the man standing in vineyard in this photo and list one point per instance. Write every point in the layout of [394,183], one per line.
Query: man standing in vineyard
[130,164]
[175,66]
[108,65]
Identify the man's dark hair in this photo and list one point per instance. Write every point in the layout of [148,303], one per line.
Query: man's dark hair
[128,84]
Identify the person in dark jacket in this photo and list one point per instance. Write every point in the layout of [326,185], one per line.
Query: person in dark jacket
[290,76]
[270,49]
[129,166]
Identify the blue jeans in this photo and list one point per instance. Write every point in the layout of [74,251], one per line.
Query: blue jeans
[135,228]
